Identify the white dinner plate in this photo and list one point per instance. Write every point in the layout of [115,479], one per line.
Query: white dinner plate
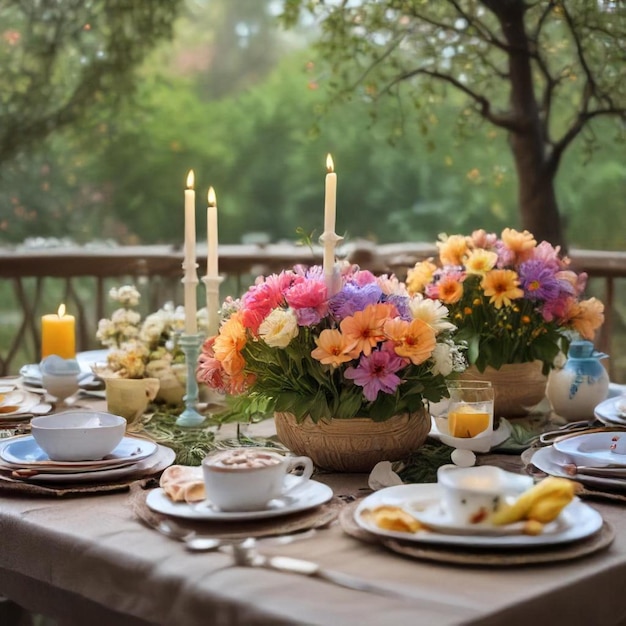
[499,436]
[433,514]
[594,449]
[551,461]
[157,462]
[608,413]
[309,495]
[24,452]
[576,521]
[25,401]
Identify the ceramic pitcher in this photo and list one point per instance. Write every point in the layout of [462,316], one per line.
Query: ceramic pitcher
[129,397]
[580,385]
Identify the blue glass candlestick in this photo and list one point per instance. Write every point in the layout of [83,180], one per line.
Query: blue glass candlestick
[190,345]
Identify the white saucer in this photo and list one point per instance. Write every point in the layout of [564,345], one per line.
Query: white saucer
[576,521]
[309,495]
[476,444]
[608,413]
[434,515]
[24,452]
[594,449]
[552,462]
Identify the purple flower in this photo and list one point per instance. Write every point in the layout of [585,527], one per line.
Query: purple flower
[538,281]
[308,316]
[402,306]
[376,372]
[353,298]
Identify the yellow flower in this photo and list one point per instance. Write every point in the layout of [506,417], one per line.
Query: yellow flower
[480,261]
[501,286]
[420,276]
[453,249]
[333,348]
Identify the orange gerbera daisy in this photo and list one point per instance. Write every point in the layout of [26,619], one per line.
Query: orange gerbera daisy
[365,328]
[586,316]
[521,244]
[449,289]
[229,344]
[501,286]
[414,340]
[333,348]
[453,249]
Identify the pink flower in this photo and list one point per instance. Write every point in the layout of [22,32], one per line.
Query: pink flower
[308,294]
[377,372]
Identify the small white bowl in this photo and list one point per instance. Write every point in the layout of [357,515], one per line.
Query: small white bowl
[78,435]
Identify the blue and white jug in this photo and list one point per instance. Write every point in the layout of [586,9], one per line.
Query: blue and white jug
[580,385]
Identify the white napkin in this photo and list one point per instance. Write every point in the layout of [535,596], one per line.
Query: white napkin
[383,476]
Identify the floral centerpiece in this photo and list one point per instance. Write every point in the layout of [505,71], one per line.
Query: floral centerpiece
[145,348]
[513,300]
[370,350]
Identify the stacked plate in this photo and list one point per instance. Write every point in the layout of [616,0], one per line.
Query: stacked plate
[18,404]
[612,411]
[31,375]
[23,459]
[596,459]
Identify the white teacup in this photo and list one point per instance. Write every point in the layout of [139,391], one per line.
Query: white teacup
[471,494]
[246,479]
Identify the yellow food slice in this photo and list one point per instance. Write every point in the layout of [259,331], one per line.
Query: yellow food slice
[465,421]
[395,518]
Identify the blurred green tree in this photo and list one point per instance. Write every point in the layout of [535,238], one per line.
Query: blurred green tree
[59,59]
[542,71]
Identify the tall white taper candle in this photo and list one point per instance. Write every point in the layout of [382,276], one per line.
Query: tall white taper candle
[190,279]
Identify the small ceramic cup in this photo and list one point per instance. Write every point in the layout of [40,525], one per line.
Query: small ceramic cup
[471,494]
[129,397]
[246,479]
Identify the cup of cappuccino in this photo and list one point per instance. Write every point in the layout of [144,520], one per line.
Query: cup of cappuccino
[246,479]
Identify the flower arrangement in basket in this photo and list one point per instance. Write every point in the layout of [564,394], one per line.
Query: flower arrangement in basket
[512,299]
[142,348]
[370,350]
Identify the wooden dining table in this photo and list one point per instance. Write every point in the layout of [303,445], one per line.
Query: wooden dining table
[88,560]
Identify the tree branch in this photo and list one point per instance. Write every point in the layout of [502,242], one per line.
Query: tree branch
[484,105]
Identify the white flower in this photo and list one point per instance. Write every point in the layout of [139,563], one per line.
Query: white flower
[279,328]
[442,357]
[430,311]
[126,295]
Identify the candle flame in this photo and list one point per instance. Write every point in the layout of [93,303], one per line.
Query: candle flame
[211,197]
[61,311]
[330,166]
[190,180]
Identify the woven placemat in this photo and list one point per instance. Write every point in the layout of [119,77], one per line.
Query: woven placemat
[481,557]
[163,458]
[317,517]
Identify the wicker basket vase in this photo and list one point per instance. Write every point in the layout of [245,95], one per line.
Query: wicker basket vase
[353,445]
[518,387]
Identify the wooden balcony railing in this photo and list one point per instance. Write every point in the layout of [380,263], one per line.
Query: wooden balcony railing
[82,276]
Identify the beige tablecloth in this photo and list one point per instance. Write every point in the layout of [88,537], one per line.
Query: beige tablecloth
[88,561]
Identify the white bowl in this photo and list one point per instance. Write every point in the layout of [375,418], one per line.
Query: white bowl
[78,435]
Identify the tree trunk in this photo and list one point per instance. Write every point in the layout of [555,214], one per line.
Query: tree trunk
[536,195]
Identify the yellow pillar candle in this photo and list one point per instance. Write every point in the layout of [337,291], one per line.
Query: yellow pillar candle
[58,334]
[466,421]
